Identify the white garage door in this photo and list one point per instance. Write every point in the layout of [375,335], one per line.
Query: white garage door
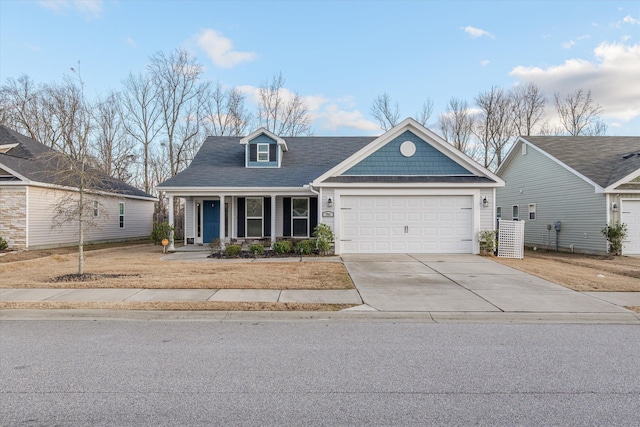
[406,224]
[630,215]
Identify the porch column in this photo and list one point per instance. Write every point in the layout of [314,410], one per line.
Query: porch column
[171,247]
[273,219]
[223,225]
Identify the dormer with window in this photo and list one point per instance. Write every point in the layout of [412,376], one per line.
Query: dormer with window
[263,149]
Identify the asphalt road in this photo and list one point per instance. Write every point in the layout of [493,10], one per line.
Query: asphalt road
[124,372]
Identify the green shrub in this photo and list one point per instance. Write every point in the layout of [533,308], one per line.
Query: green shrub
[305,247]
[615,234]
[283,247]
[324,235]
[3,244]
[488,241]
[256,249]
[233,251]
[161,230]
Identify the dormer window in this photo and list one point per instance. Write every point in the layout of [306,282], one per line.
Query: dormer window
[263,152]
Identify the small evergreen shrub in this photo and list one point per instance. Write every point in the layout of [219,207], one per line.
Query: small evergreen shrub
[488,242]
[161,230]
[283,247]
[305,247]
[324,237]
[615,235]
[257,249]
[3,244]
[233,251]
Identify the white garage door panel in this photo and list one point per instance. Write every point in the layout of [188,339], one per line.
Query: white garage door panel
[414,224]
[630,215]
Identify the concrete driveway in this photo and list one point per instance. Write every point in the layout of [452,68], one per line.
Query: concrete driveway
[461,283]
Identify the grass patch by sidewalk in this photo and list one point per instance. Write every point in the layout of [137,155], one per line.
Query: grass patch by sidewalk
[174,306]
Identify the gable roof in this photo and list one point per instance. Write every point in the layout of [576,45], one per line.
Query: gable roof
[33,162]
[466,170]
[605,161]
[220,163]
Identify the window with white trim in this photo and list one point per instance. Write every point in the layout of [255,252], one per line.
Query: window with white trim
[499,212]
[515,213]
[263,152]
[121,215]
[255,212]
[532,211]
[96,205]
[300,216]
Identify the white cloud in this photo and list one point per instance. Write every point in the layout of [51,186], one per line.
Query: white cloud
[569,44]
[631,20]
[484,62]
[625,38]
[477,32]
[220,49]
[327,114]
[612,77]
[130,41]
[90,9]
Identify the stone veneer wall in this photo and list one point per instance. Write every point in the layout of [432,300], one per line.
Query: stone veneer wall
[13,216]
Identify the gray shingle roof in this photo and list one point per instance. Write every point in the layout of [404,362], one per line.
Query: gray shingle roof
[221,163]
[38,163]
[603,159]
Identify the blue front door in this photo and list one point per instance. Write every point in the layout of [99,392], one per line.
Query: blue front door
[211,220]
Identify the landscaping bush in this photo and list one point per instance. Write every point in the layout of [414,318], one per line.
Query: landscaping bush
[305,247]
[256,249]
[233,251]
[615,234]
[488,241]
[283,247]
[3,244]
[324,235]
[161,230]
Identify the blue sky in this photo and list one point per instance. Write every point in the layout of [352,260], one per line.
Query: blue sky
[339,55]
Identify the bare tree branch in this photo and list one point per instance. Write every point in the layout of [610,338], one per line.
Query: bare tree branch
[579,114]
[385,111]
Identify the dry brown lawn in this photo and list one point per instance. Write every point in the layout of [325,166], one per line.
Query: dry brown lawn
[140,266]
[581,272]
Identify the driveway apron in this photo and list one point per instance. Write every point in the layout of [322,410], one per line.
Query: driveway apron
[460,283]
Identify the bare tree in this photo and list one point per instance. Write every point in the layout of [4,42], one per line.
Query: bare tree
[457,126]
[528,108]
[225,113]
[280,111]
[579,114]
[113,147]
[177,78]
[141,112]
[494,127]
[425,112]
[385,111]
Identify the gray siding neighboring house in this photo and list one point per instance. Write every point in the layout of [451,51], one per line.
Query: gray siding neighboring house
[29,192]
[583,182]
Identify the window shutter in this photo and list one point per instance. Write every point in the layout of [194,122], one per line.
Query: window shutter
[286,214]
[253,153]
[272,152]
[266,223]
[241,216]
[313,214]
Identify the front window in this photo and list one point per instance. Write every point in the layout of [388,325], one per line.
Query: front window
[516,213]
[300,217]
[532,211]
[96,205]
[254,216]
[263,152]
[121,216]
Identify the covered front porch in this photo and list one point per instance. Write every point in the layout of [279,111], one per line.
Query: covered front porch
[249,216]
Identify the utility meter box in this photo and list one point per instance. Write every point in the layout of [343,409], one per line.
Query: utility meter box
[556,225]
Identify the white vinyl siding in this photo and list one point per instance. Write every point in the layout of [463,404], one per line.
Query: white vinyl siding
[139,220]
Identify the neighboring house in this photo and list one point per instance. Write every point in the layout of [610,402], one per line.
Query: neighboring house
[405,191]
[30,188]
[584,182]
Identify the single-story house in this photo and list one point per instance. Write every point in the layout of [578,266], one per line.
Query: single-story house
[407,190]
[583,183]
[31,187]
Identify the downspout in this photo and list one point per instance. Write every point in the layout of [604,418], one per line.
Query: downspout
[317,193]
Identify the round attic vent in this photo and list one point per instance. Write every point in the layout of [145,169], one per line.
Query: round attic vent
[408,149]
